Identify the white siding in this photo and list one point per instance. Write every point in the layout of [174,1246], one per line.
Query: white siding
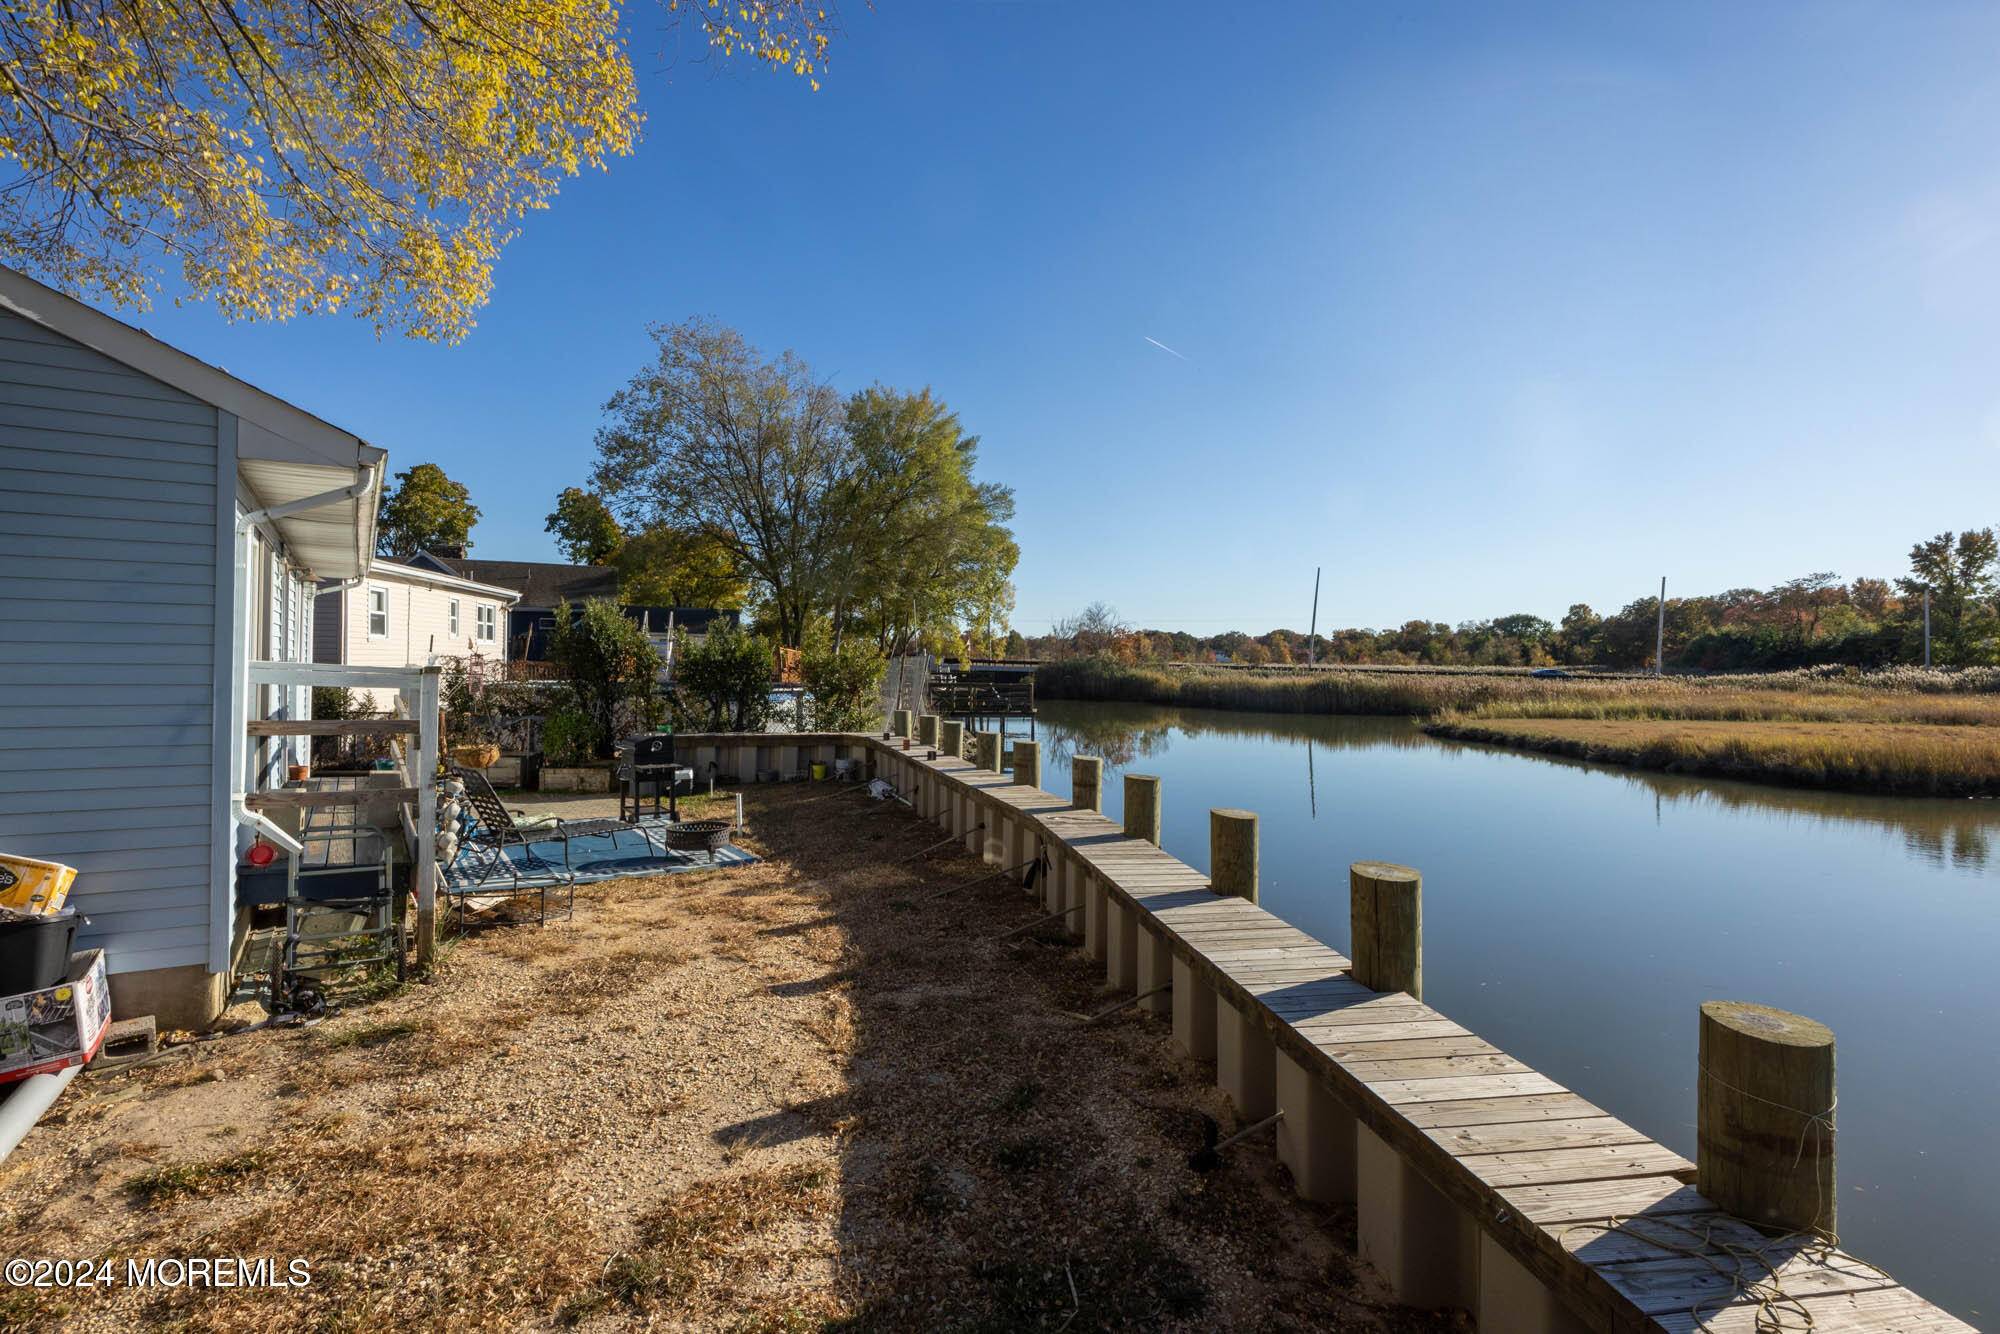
[107,640]
[419,626]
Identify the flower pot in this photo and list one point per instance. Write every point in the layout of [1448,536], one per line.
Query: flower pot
[483,755]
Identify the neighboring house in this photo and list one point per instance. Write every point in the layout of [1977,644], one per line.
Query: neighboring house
[545,585]
[166,524]
[401,616]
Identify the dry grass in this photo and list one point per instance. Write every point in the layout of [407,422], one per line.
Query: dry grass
[1970,698]
[781,1097]
[1908,758]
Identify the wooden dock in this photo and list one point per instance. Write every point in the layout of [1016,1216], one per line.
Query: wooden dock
[1478,1182]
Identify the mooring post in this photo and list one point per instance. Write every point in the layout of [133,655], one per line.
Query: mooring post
[1232,853]
[987,756]
[1028,763]
[1387,916]
[1764,1119]
[1121,922]
[1086,783]
[1142,807]
[951,738]
[899,722]
[927,729]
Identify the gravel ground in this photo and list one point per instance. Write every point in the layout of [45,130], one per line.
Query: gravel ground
[814,1093]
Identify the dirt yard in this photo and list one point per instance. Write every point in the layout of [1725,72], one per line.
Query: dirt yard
[812,1094]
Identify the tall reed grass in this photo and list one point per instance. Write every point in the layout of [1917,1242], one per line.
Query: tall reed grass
[1901,695]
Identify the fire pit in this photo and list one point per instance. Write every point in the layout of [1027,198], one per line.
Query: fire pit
[708,836]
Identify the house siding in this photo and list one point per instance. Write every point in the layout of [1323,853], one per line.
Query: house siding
[419,627]
[108,640]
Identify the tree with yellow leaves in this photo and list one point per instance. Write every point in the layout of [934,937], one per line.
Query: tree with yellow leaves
[290,156]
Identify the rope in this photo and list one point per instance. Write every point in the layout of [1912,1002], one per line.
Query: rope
[1752,1272]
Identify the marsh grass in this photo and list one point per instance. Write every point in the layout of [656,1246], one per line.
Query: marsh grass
[1907,759]
[1969,698]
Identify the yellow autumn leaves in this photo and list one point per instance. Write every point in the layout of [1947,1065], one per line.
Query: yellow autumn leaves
[299,156]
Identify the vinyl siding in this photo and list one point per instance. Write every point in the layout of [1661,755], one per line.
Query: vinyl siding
[107,659]
[419,627]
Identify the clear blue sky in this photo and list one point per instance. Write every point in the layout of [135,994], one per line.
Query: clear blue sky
[1484,308]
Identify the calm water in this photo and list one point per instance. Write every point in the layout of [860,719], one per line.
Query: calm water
[1576,915]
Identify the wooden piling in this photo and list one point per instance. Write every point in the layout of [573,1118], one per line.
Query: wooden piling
[1086,783]
[951,738]
[1028,763]
[988,753]
[1387,915]
[1142,807]
[1232,853]
[899,722]
[1764,1119]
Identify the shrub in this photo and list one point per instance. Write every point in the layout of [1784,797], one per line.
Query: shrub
[608,660]
[846,686]
[722,684]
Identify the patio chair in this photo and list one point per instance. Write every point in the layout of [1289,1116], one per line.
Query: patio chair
[483,849]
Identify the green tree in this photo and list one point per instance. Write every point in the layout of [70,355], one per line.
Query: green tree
[584,527]
[845,684]
[713,439]
[609,662]
[925,550]
[1958,569]
[666,567]
[425,511]
[723,683]
[1578,636]
[863,511]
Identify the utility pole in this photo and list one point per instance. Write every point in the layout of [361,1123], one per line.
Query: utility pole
[1927,625]
[1660,634]
[1312,634]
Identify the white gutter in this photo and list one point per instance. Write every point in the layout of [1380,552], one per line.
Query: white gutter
[238,807]
[31,1100]
[357,491]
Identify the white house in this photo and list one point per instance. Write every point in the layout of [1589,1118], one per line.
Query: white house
[400,616]
[166,525]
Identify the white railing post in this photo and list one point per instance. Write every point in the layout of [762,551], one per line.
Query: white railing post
[424,779]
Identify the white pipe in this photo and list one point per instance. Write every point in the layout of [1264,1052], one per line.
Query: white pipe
[255,819]
[32,1098]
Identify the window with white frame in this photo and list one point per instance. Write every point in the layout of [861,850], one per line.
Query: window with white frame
[454,618]
[378,613]
[488,619]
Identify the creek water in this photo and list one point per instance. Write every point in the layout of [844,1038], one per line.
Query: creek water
[1576,915]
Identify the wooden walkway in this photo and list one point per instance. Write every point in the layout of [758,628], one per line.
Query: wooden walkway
[1602,1215]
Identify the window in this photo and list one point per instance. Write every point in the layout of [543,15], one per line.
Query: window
[454,618]
[378,613]
[488,629]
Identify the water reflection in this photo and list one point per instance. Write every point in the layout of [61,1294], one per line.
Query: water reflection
[1942,832]
[1577,915]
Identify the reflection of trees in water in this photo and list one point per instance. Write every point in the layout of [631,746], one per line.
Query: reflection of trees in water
[1938,831]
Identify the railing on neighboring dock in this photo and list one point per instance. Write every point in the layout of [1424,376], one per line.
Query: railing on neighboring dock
[1477,1182]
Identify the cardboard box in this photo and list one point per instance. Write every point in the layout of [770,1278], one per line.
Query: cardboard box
[45,1031]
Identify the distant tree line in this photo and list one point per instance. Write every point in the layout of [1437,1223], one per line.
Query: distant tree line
[1811,620]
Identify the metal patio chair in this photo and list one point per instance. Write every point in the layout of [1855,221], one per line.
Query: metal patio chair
[483,849]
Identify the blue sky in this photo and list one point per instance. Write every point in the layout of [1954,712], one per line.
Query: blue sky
[1482,308]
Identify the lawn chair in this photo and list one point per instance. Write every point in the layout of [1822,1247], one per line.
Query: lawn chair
[484,848]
